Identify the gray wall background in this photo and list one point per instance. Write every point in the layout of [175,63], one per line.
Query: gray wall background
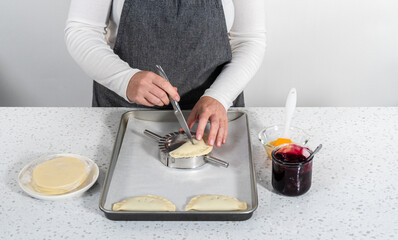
[336,53]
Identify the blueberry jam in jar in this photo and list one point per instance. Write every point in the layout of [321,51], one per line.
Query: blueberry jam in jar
[291,169]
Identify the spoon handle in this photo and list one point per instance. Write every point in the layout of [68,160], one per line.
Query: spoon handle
[315,151]
[289,110]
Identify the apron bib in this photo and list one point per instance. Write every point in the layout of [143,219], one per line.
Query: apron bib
[188,38]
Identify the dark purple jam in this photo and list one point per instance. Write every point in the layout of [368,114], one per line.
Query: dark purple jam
[291,170]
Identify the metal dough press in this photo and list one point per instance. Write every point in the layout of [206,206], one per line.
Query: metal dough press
[174,140]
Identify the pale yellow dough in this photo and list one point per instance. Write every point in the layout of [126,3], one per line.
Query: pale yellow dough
[215,203]
[192,150]
[59,175]
[145,203]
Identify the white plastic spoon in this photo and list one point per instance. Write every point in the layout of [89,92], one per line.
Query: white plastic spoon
[289,110]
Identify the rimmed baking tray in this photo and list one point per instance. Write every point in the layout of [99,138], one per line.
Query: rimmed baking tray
[135,170]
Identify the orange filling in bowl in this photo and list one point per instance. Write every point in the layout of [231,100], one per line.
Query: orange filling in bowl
[270,146]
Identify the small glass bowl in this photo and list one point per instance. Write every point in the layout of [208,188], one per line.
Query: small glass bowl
[270,134]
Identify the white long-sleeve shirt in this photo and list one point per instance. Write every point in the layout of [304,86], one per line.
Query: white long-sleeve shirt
[91,31]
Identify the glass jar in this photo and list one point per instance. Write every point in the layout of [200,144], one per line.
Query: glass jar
[291,169]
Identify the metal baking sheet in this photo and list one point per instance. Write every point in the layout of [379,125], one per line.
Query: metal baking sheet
[135,170]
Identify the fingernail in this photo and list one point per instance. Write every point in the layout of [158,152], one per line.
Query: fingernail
[211,142]
[219,144]
[224,141]
[198,136]
[177,98]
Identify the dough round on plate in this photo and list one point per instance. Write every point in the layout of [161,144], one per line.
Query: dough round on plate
[145,203]
[215,203]
[192,150]
[59,175]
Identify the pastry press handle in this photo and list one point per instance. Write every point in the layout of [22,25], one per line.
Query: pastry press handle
[216,161]
[152,135]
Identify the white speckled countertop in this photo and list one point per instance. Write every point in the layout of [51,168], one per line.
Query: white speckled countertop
[354,193]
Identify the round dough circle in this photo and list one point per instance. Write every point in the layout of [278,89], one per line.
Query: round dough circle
[59,175]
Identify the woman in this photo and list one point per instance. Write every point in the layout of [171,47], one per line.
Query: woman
[209,49]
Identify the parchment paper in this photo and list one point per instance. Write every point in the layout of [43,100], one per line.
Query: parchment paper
[138,170]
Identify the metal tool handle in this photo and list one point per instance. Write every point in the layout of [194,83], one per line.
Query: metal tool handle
[176,107]
[152,135]
[163,75]
[216,161]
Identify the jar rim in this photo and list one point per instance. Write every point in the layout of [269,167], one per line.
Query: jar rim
[290,163]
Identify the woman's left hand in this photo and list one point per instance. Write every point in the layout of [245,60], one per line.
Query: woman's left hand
[209,109]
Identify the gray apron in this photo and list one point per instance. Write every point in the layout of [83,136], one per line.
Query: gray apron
[188,38]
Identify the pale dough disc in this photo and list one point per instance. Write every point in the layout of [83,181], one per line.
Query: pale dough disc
[146,203]
[192,150]
[215,203]
[59,175]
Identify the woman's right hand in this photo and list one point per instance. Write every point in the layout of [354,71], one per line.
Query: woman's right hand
[149,89]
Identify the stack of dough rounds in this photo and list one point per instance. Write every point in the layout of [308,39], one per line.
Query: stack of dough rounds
[146,203]
[188,149]
[215,203]
[59,175]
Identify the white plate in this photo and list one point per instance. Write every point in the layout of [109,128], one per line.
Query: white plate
[24,177]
